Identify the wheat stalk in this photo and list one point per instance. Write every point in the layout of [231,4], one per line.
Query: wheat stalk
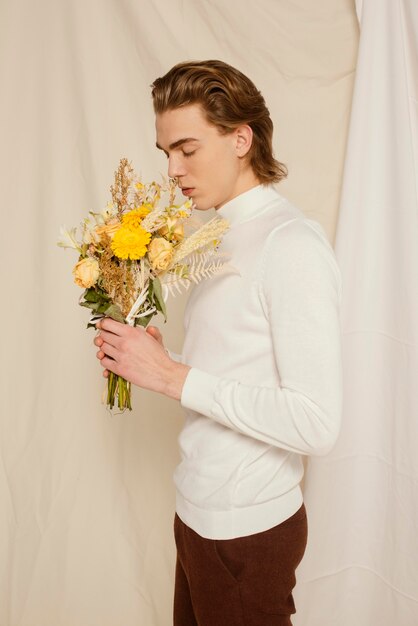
[206,234]
[153,221]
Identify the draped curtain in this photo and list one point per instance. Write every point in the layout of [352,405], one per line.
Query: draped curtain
[361,562]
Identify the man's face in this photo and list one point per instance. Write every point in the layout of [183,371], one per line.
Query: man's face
[206,163]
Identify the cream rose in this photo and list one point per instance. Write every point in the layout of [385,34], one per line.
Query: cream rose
[86,272]
[108,229]
[160,253]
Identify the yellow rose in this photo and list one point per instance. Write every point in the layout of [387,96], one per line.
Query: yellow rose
[86,272]
[160,253]
[172,230]
[178,232]
[108,229]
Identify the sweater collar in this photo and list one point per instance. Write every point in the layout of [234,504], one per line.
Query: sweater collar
[249,204]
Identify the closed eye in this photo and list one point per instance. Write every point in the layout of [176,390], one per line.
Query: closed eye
[186,154]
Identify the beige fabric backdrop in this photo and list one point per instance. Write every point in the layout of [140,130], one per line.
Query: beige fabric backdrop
[87,499]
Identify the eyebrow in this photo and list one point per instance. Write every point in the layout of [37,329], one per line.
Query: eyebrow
[177,143]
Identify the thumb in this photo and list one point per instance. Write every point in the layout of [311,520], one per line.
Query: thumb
[154,332]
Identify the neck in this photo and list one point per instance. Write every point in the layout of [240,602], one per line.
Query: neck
[246,181]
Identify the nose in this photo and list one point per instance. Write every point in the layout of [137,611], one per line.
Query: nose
[176,168]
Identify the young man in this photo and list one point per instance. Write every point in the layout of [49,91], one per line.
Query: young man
[260,375]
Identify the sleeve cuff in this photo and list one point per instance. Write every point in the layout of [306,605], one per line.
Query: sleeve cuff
[198,391]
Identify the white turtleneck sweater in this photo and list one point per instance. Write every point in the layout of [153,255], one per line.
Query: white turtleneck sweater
[263,341]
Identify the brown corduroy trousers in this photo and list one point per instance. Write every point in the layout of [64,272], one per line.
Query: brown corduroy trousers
[246,581]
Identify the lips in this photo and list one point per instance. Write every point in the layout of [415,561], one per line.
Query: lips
[187,191]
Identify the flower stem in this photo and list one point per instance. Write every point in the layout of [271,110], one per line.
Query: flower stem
[116,385]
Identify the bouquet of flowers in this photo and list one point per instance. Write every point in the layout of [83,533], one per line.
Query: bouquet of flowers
[135,252]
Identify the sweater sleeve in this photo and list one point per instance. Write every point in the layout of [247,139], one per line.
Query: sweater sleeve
[300,292]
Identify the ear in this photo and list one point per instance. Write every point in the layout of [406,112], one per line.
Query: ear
[243,139]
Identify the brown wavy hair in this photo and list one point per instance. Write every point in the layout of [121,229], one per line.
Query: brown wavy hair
[229,99]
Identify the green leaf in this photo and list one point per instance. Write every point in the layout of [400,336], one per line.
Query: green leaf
[115,313]
[91,295]
[158,297]
[90,305]
[143,321]
[102,308]
[95,294]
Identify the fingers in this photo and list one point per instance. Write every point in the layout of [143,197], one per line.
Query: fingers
[109,338]
[99,341]
[109,351]
[112,326]
[109,365]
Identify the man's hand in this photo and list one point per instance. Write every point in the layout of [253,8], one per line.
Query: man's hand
[138,355]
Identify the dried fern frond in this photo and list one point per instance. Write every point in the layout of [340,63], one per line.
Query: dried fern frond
[176,283]
[199,266]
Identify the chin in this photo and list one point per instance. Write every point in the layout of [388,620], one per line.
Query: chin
[202,205]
